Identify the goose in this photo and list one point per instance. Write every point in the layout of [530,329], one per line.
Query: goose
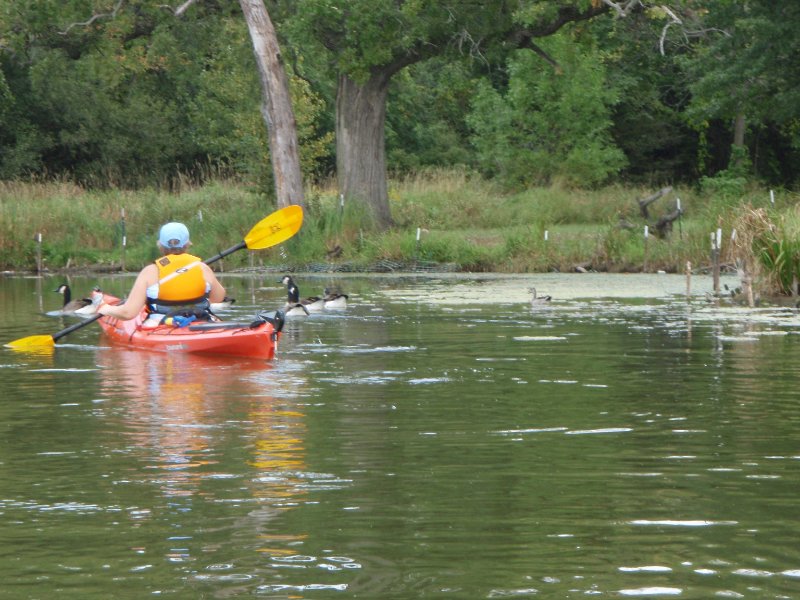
[537,300]
[84,306]
[295,310]
[334,300]
[311,304]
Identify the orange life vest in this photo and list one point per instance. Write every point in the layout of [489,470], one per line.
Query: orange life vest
[178,281]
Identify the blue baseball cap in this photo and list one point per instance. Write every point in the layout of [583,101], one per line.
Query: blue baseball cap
[173,235]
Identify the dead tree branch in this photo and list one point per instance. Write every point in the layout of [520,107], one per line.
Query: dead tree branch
[95,17]
[623,9]
[645,202]
[664,224]
[178,12]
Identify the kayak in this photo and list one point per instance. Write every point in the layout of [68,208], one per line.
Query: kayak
[254,339]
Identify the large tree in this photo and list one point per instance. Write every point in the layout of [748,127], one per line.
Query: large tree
[367,42]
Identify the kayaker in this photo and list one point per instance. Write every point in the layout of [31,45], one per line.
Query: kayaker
[178,281]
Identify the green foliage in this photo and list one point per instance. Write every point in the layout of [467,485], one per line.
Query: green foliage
[777,248]
[732,182]
[553,124]
[425,118]
[140,98]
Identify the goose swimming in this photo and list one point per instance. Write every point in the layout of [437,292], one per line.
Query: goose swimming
[83,306]
[537,300]
[334,299]
[310,304]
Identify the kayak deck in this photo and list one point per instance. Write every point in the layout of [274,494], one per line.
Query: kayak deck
[256,339]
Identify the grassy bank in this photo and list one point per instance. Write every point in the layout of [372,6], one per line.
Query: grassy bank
[462,221]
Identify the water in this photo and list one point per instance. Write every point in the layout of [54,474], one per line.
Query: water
[439,438]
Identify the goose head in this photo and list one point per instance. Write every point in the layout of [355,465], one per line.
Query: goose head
[291,289]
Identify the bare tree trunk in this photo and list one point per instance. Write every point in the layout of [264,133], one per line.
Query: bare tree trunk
[738,137]
[738,130]
[360,144]
[277,107]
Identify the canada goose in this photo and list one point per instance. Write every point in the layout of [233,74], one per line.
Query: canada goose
[334,300]
[311,304]
[536,300]
[295,310]
[84,306]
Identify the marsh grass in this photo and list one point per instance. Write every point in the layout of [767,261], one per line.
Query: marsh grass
[461,219]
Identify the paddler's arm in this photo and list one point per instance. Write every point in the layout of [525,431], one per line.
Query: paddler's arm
[136,298]
[217,293]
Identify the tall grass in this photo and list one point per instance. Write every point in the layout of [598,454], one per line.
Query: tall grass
[461,219]
[86,229]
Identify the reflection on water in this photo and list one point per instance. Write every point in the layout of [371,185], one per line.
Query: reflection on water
[422,443]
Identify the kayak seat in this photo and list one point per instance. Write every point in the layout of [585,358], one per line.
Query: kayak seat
[200,311]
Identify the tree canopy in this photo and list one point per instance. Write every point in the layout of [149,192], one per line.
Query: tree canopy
[110,93]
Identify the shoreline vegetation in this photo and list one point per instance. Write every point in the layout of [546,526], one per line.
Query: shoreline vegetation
[446,219]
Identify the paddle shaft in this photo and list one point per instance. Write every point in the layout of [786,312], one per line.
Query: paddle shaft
[225,253]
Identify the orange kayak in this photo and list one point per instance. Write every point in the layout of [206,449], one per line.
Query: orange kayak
[255,339]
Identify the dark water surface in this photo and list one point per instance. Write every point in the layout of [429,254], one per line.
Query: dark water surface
[440,438]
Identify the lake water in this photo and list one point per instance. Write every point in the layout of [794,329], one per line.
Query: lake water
[440,438]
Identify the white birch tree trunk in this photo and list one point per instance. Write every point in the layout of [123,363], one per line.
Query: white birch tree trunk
[277,107]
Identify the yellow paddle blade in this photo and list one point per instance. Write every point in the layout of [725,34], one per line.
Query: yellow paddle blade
[32,342]
[275,228]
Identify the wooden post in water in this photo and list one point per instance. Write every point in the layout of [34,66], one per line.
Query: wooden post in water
[688,280]
[39,253]
[646,235]
[124,238]
[716,242]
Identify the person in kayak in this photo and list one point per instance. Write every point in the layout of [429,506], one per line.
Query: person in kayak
[176,283]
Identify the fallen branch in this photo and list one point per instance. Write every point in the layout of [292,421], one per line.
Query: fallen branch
[664,224]
[645,202]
